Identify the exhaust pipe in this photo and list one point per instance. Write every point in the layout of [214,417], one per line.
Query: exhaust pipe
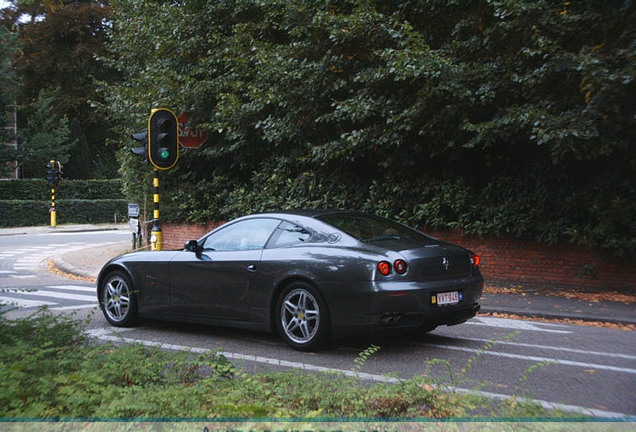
[389,320]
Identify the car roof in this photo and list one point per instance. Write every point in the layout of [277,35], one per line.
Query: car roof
[312,213]
[308,217]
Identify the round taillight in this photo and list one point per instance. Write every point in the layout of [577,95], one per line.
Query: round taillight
[384,268]
[400,266]
[475,260]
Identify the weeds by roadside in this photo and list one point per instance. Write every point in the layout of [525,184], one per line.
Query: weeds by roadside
[49,370]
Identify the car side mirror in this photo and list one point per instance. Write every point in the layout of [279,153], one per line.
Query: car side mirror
[193,246]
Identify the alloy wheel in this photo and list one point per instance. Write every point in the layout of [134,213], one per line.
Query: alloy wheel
[300,316]
[117,299]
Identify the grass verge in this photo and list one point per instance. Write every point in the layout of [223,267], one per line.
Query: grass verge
[48,369]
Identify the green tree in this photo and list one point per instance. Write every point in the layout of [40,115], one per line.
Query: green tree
[489,116]
[45,137]
[7,100]
[60,47]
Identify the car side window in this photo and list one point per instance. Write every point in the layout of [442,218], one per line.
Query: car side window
[245,235]
[288,234]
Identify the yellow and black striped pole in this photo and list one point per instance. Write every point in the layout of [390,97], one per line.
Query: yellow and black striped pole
[52,210]
[156,241]
[53,179]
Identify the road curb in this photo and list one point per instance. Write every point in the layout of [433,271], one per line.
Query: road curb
[554,316]
[65,267]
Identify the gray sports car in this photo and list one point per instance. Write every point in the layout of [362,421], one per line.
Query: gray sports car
[311,275]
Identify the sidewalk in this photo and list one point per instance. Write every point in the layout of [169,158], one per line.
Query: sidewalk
[74,228]
[548,304]
[531,302]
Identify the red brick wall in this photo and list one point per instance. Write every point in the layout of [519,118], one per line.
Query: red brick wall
[508,259]
[175,235]
[503,259]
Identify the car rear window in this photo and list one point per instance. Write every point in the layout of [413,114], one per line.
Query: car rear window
[377,230]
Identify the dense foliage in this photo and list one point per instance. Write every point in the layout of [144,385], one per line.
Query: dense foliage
[33,189]
[27,202]
[491,116]
[54,61]
[69,211]
[7,100]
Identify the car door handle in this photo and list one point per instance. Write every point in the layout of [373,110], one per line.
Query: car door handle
[251,268]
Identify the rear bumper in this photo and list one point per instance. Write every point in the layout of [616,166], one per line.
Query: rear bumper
[376,306]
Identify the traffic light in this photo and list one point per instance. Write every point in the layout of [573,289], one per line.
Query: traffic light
[163,138]
[53,173]
[50,178]
[142,137]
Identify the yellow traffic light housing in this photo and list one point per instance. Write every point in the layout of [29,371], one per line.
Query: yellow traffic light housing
[163,138]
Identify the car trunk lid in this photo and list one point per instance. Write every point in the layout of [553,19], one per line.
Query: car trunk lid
[438,262]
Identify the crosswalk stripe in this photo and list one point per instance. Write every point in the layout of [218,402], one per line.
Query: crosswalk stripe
[84,306]
[24,302]
[73,288]
[60,295]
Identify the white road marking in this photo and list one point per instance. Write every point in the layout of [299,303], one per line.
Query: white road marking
[84,306]
[547,347]
[34,256]
[7,272]
[60,295]
[533,358]
[113,232]
[22,276]
[106,335]
[516,325]
[74,288]
[24,303]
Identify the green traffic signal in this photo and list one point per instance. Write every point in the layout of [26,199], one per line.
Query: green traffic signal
[163,138]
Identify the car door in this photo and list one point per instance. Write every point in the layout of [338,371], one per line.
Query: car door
[217,281]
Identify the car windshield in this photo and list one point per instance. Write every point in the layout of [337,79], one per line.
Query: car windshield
[376,230]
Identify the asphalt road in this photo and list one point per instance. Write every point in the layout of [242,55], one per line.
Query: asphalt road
[580,368]
[589,369]
[24,269]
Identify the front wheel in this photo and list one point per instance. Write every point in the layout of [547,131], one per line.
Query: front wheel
[302,317]
[118,301]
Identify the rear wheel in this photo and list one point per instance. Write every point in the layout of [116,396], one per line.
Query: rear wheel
[302,317]
[118,301]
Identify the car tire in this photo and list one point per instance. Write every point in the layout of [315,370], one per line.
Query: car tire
[302,317]
[118,300]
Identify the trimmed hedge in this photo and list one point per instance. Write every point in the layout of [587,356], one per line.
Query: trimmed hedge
[29,212]
[36,189]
